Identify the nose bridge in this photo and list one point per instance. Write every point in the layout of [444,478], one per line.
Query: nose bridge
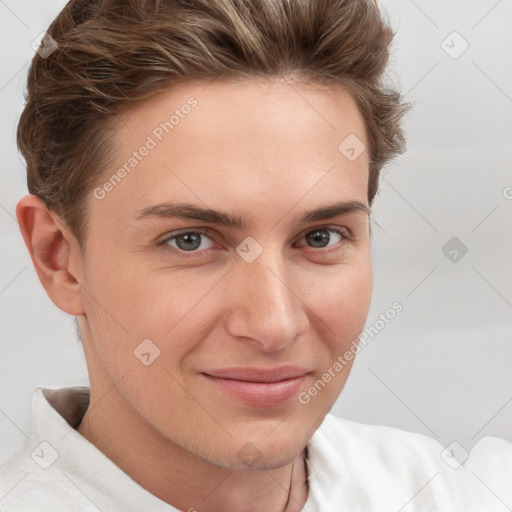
[266,309]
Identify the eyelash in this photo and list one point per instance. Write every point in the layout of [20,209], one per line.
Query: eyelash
[343,233]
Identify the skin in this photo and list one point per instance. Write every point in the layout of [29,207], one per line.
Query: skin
[266,152]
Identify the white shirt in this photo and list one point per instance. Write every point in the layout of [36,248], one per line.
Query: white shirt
[351,467]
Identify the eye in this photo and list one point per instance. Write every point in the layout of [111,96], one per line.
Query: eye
[195,242]
[189,241]
[325,237]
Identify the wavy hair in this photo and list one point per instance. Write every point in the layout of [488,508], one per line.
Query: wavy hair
[113,53]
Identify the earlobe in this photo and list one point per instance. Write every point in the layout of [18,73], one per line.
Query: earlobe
[55,253]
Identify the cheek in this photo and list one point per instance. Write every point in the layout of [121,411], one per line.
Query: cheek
[342,302]
[127,304]
[342,310]
[136,302]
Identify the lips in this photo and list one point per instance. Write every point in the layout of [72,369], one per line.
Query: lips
[258,387]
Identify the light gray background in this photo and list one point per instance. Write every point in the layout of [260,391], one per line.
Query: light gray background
[442,367]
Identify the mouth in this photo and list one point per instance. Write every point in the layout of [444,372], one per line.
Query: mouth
[258,387]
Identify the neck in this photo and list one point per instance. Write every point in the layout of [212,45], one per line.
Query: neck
[179,477]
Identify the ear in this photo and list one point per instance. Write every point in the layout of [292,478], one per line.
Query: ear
[55,253]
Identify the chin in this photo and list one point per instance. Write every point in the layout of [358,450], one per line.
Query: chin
[252,458]
[266,452]
[257,452]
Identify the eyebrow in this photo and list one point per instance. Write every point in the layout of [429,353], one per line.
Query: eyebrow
[194,212]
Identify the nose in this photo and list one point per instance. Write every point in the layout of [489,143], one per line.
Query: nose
[265,309]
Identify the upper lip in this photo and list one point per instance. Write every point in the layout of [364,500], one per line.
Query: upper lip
[277,374]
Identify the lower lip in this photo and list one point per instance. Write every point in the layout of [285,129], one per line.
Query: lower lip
[259,394]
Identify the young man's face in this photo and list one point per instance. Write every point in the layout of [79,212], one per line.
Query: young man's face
[246,315]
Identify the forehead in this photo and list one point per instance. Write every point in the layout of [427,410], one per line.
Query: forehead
[247,144]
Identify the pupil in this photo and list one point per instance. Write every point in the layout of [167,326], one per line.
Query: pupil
[188,241]
[318,238]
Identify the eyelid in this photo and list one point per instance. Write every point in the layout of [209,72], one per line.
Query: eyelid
[162,242]
[172,234]
[344,232]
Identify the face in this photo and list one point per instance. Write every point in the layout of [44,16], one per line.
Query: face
[237,246]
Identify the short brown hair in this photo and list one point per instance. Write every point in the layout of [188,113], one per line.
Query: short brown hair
[112,53]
